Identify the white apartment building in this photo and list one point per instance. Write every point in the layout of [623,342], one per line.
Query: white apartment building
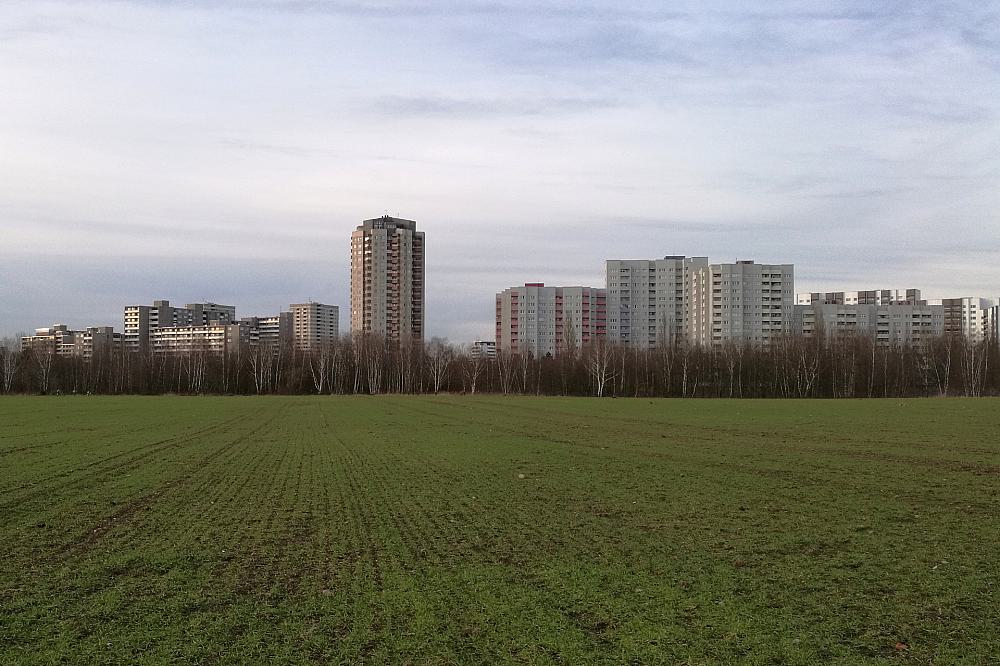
[141,320]
[485,349]
[546,321]
[648,299]
[744,302]
[889,324]
[314,324]
[868,297]
[215,338]
[387,279]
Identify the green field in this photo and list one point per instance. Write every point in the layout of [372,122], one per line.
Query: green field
[484,530]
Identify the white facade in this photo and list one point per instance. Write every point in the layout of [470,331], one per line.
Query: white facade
[209,338]
[486,349]
[868,297]
[649,299]
[744,303]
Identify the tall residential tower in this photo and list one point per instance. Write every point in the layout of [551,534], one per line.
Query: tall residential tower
[387,279]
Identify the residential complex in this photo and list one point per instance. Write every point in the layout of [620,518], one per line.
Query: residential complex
[142,320]
[547,321]
[214,338]
[660,302]
[314,325]
[387,279]
[59,339]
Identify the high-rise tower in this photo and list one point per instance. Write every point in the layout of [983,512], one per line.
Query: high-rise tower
[387,279]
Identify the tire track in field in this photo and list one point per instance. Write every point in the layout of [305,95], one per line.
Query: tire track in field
[63,432]
[209,490]
[97,467]
[525,527]
[89,539]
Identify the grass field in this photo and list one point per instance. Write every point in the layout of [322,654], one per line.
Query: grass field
[460,530]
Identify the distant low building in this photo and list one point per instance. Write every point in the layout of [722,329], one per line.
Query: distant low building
[61,340]
[483,349]
[888,325]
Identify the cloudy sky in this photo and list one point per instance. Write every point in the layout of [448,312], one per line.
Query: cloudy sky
[224,151]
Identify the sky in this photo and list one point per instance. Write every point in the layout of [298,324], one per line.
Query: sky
[224,151]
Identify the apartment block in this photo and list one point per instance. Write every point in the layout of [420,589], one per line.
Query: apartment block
[273,330]
[967,316]
[483,349]
[141,320]
[387,279]
[546,321]
[214,338]
[648,299]
[61,340]
[993,322]
[314,325]
[743,302]
[869,297]
[889,325]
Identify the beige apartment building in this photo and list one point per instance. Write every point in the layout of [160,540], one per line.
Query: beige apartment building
[548,321]
[649,299]
[744,302]
[215,338]
[61,340]
[314,325]
[387,279]
[141,320]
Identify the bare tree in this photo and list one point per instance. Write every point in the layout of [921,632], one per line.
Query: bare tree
[10,359]
[600,359]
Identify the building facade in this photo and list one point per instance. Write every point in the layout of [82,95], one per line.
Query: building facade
[649,299]
[869,297]
[547,321]
[273,330]
[742,303]
[387,279]
[314,325]
[141,320]
[483,349]
[888,324]
[215,338]
[61,340]
[967,316]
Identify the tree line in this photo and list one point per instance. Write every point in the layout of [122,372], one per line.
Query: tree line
[793,367]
